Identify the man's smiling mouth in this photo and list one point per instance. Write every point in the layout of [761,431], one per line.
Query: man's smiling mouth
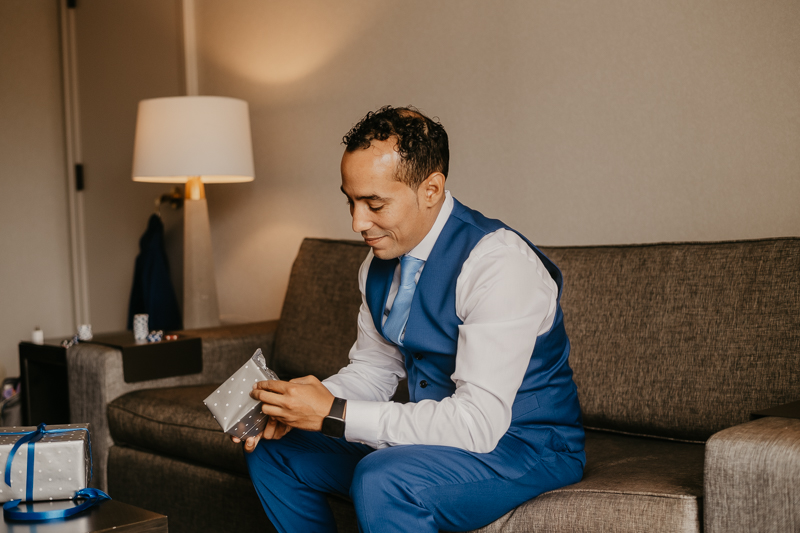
[373,240]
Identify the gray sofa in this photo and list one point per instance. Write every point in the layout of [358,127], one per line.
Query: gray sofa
[673,346]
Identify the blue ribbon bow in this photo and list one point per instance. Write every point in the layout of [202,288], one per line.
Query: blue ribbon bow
[92,496]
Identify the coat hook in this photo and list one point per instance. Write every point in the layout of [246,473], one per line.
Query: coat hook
[174,198]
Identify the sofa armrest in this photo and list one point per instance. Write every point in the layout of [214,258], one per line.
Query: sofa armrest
[226,348]
[751,473]
[96,377]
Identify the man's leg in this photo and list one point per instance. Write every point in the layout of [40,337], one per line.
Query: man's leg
[432,488]
[292,475]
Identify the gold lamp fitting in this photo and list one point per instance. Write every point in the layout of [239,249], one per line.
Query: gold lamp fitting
[195,189]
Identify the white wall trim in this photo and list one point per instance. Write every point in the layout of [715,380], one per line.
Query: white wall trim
[77,233]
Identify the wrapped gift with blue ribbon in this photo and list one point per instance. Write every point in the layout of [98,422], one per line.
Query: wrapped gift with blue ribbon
[46,463]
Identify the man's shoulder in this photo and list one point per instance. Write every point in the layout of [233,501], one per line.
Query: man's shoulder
[475,218]
[504,244]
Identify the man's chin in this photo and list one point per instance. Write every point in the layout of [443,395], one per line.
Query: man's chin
[384,253]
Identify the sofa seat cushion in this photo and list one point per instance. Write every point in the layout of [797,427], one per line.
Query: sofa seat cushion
[630,484]
[174,422]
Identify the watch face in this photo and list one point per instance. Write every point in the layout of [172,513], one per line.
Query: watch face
[333,427]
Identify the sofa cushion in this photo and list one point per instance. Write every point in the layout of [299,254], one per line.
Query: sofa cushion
[682,340]
[630,484]
[318,320]
[174,422]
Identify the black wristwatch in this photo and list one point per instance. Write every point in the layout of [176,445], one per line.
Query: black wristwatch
[333,424]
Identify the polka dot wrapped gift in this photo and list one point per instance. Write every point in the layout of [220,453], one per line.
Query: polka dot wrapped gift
[234,410]
[52,463]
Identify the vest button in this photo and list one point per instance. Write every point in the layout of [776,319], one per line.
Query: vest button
[423,383]
[417,356]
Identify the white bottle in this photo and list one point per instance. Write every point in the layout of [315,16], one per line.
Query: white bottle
[37,336]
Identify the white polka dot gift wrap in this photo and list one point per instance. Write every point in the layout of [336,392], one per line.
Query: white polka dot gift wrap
[61,463]
[234,410]
[140,326]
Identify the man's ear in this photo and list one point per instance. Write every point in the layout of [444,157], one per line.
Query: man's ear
[431,190]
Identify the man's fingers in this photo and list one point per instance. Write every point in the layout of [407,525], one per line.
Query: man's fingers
[279,430]
[276,404]
[265,396]
[274,385]
[269,430]
[282,387]
[251,443]
[276,412]
[284,429]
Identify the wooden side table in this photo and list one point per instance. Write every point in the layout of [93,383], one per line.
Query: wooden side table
[107,516]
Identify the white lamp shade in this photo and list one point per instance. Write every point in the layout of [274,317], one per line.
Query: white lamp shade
[185,136]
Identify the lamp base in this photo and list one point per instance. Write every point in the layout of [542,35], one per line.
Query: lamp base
[200,304]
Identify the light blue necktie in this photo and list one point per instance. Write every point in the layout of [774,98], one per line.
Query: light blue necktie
[398,316]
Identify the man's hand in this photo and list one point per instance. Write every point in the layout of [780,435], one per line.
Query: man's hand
[274,430]
[300,403]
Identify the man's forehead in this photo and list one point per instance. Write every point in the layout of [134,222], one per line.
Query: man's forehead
[379,156]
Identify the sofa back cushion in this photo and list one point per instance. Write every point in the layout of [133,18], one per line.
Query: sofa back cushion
[682,340]
[675,340]
[318,321]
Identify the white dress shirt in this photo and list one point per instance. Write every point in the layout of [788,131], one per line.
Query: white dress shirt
[503,295]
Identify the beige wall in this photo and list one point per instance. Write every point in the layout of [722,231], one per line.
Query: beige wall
[128,50]
[575,122]
[35,282]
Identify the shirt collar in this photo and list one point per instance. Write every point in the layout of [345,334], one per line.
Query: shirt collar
[423,249]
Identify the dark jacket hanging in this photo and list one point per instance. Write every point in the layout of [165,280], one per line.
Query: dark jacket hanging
[152,291]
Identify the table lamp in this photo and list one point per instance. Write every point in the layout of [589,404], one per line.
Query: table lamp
[194,140]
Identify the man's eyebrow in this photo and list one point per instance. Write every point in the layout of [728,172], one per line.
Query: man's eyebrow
[373,197]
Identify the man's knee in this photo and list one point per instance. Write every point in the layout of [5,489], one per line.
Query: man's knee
[383,478]
[375,479]
[387,491]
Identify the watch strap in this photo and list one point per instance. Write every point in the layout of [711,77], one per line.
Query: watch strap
[337,409]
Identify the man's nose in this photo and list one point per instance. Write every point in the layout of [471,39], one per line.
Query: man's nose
[361,221]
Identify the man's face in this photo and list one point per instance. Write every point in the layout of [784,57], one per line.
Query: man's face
[390,216]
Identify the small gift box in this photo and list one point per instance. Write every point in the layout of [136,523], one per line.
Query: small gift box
[45,462]
[235,411]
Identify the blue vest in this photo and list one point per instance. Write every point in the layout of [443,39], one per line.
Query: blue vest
[545,410]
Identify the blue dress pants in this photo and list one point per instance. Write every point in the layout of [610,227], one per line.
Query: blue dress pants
[401,488]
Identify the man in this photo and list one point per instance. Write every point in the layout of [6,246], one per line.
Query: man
[470,315]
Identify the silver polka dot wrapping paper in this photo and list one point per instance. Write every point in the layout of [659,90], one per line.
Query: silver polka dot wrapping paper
[61,463]
[234,410]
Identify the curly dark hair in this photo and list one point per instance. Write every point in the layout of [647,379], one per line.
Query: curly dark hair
[421,142]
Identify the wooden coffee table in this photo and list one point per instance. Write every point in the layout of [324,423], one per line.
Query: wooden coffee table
[107,516]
